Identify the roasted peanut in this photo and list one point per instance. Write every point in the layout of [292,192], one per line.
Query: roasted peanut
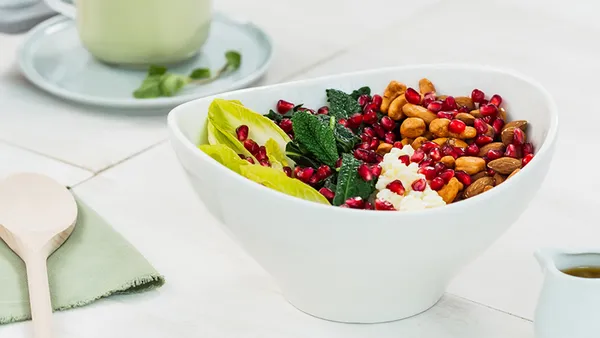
[470,164]
[384,148]
[406,141]
[468,133]
[455,142]
[439,127]
[464,101]
[428,135]
[423,113]
[440,141]
[425,86]
[450,190]
[412,127]
[392,91]
[476,113]
[395,108]
[448,161]
[418,142]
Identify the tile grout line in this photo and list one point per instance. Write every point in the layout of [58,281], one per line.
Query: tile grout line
[490,307]
[33,151]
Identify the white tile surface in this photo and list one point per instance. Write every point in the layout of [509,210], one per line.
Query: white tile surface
[14,160]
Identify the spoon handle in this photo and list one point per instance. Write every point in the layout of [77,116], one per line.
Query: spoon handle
[39,296]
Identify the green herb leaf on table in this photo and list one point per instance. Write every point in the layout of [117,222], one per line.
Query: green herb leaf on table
[349,182]
[156,70]
[342,105]
[200,73]
[234,60]
[361,91]
[315,137]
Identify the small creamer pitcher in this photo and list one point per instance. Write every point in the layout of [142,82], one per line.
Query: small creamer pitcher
[569,303]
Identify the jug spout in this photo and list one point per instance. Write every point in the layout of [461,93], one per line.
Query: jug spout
[546,257]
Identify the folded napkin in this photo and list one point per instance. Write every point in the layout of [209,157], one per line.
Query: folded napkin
[94,262]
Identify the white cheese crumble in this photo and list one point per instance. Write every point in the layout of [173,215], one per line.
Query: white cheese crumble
[393,169]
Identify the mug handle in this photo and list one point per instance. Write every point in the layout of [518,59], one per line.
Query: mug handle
[62,7]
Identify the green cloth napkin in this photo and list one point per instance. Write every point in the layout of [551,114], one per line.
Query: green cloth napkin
[94,262]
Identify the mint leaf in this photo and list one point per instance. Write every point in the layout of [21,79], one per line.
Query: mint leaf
[150,88]
[200,73]
[349,183]
[316,137]
[342,105]
[170,84]
[234,60]
[299,155]
[156,70]
[361,91]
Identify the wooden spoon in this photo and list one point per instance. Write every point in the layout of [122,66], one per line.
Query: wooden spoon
[37,215]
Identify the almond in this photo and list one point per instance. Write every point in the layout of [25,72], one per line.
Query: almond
[439,127]
[448,161]
[384,148]
[505,165]
[487,187]
[425,86]
[513,173]
[502,114]
[392,91]
[477,187]
[412,110]
[440,140]
[470,164]
[478,176]
[498,179]
[464,101]
[507,135]
[467,118]
[449,191]
[491,146]
[412,127]
[442,97]
[418,142]
[490,131]
[517,124]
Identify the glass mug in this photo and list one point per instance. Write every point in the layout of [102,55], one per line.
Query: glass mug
[140,32]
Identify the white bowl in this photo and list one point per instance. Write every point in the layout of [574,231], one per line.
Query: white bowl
[366,266]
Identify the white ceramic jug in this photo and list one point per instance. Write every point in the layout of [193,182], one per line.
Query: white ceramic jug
[568,307]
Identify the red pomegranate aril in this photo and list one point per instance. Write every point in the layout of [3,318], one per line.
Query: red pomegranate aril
[323,110]
[429,172]
[328,193]
[449,103]
[374,143]
[447,175]
[369,131]
[338,163]
[428,146]
[313,180]
[373,157]
[427,162]
[497,126]
[489,119]
[343,122]
[447,150]
[511,151]
[383,205]
[463,109]
[428,98]
[323,172]
[287,171]
[365,138]
[286,125]
[365,172]
[482,140]
[371,106]
[419,185]
[490,172]
[251,146]
[472,150]
[376,170]
[526,159]
[494,154]
[265,163]
[378,158]
[363,100]
[261,155]
[518,137]
[242,133]
[284,106]
[439,167]
[368,206]
[457,126]
[496,100]
[527,149]
[445,115]
[355,202]
[398,145]
[242,156]
[463,177]
[435,154]
[297,171]
[365,145]
[355,120]
[417,156]
[390,137]
[387,123]
[477,95]
[458,152]
[488,110]
[250,159]
[437,183]
[291,135]
[412,96]
[435,106]
[361,154]
[377,100]
[404,159]
[379,130]
[370,116]
[480,126]
[396,187]
[305,174]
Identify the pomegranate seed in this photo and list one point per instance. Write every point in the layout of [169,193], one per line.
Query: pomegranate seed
[343,122]
[365,172]
[370,116]
[363,100]
[365,138]
[286,125]
[383,205]
[527,149]
[457,126]
[361,154]
[449,103]
[250,159]
[497,125]
[376,170]
[488,110]
[496,100]
[511,151]
[314,179]
[527,159]
[368,206]
[287,171]
[390,137]
[480,126]
[265,163]
[489,119]
[242,156]
[472,150]
[284,106]
[435,106]
[477,95]
[437,183]
[396,187]
[428,146]
[242,133]
[344,206]
[323,172]
[261,155]
[483,102]
[387,123]
[373,158]
[297,171]
[412,96]
[398,145]
[482,140]
[378,158]
[439,167]
[494,154]
[374,143]
[323,110]
[404,159]
[458,152]
[463,109]
[355,202]
[370,106]
[429,172]
[445,115]
[355,120]
[447,175]
[447,150]
[490,172]
[463,177]
[419,185]
[305,174]
[338,163]
[365,145]
[435,154]
[379,130]
[417,156]
[369,131]
[428,98]
[518,137]
[427,162]
[376,101]
[251,146]
[328,193]
[291,135]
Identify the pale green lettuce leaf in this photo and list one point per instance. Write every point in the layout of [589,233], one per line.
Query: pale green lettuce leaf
[224,155]
[276,156]
[216,136]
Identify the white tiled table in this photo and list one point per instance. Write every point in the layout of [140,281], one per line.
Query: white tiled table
[122,166]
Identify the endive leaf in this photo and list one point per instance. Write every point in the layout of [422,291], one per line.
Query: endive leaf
[224,155]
